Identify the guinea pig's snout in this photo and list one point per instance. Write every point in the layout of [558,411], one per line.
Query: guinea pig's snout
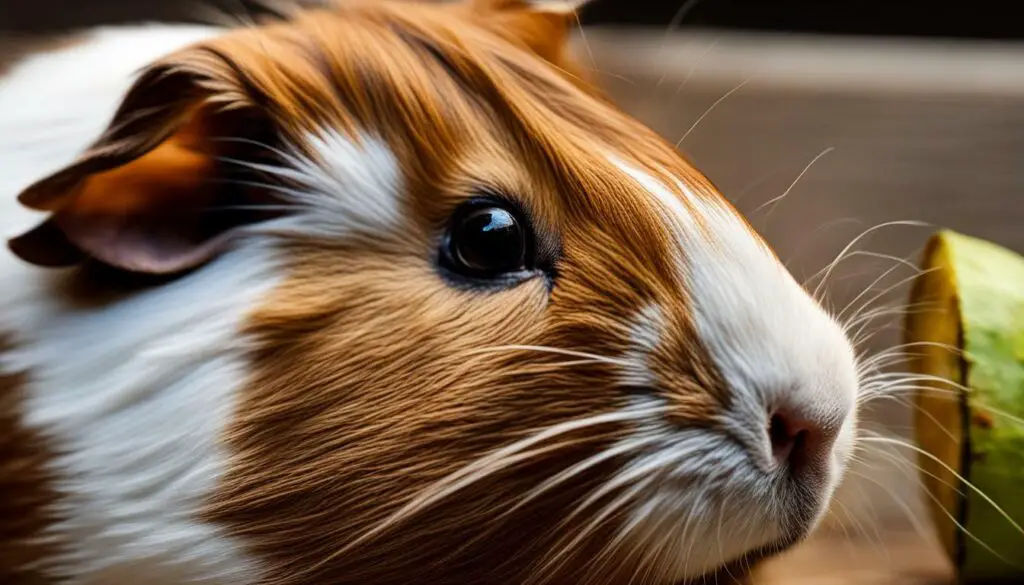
[800,440]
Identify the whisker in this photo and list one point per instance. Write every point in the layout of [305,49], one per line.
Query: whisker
[961,478]
[277,171]
[856,240]
[901,263]
[859,336]
[578,468]
[649,560]
[657,569]
[883,387]
[847,540]
[643,563]
[900,351]
[555,562]
[888,383]
[583,37]
[554,350]
[805,244]
[693,65]
[900,377]
[738,196]
[485,467]
[851,254]
[879,395]
[617,76]
[882,293]
[879,542]
[871,364]
[865,318]
[953,394]
[919,527]
[924,412]
[610,548]
[940,506]
[718,532]
[911,469]
[901,346]
[868,369]
[645,473]
[710,109]
[795,181]
[673,24]
[750,531]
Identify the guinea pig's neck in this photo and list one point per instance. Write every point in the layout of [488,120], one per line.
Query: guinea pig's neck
[113,413]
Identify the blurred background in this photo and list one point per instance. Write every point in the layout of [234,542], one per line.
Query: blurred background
[822,121]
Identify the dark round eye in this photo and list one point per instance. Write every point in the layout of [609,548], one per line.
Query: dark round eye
[486,241]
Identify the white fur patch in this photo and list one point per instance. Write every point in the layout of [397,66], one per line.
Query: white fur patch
[775,347]
[351,186]
[134,394]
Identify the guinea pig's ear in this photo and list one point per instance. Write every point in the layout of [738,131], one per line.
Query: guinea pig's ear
[147,196]
[543,25]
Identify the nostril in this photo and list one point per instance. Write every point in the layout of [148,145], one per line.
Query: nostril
[800,439]
[784,437]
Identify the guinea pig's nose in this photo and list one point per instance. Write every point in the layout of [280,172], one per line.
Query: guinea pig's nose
[798,439]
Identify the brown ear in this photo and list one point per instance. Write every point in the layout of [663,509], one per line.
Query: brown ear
[147,196]
[543,25]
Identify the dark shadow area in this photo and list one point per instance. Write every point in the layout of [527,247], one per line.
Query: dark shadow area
[982,19]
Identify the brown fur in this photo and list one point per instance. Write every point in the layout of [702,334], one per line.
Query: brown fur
[26,492]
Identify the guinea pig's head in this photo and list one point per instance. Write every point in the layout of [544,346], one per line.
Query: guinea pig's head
[516,337]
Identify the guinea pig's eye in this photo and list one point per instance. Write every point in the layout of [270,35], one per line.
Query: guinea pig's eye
[487,239]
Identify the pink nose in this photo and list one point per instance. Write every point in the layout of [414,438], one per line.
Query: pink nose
[800,440]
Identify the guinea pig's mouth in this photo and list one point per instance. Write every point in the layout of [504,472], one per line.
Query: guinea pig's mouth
[712,522]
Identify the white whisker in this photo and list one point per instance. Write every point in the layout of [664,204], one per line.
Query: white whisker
[975,489]
[487,466]
[555,350]
[556,561]
[846,249]
[693,65]
[673,24]
[807,167]
[710,109]
[871,286]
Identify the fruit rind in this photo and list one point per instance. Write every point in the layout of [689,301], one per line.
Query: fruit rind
[971,296]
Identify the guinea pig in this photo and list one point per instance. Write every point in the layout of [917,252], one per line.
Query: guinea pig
[388,293]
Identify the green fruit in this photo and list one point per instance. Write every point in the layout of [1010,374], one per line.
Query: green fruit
[967,325]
